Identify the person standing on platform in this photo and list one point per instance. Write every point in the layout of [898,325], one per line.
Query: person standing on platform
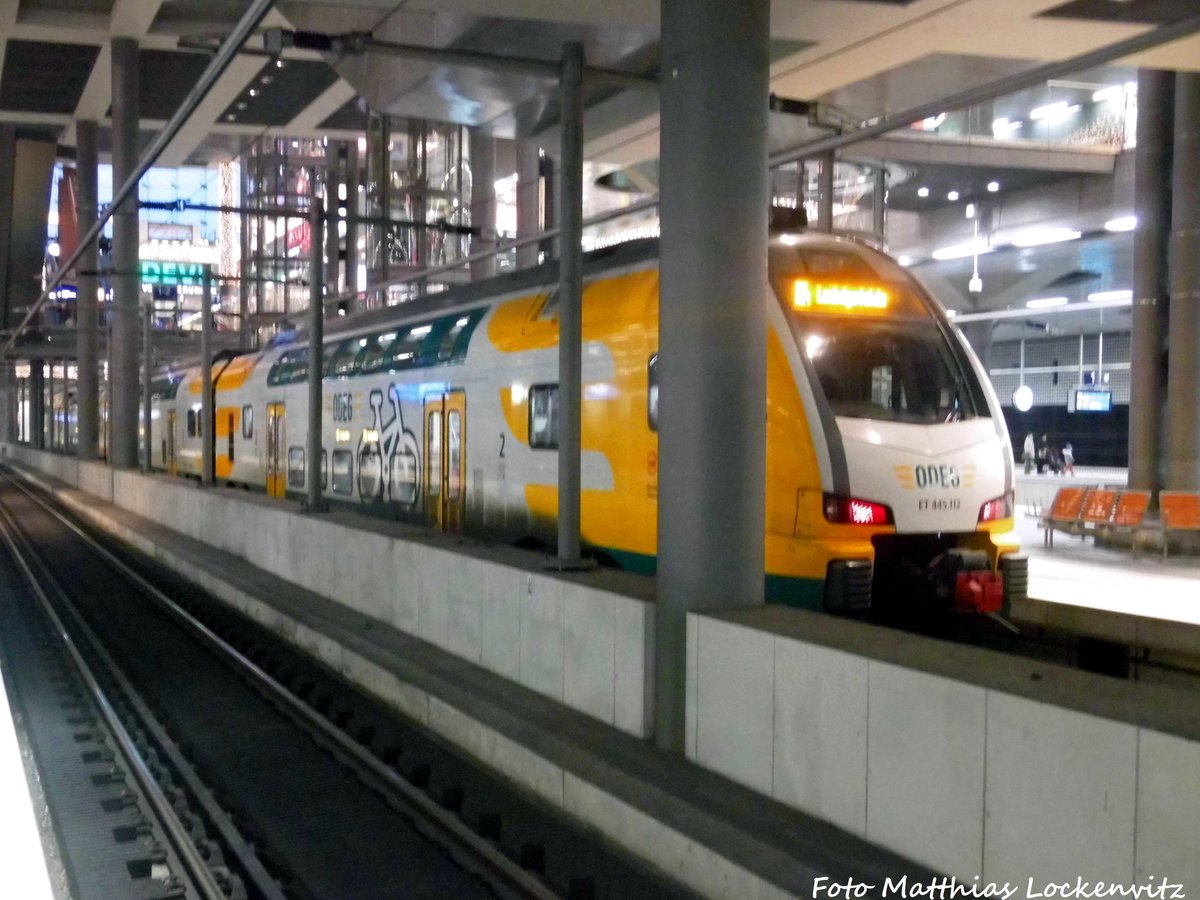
[1068,455]
[1043,453]
[1029,452]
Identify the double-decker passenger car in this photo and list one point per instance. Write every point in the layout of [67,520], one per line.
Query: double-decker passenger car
[889,469]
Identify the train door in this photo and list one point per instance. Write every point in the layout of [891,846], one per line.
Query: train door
[169,445]
[276,451]
[445,459]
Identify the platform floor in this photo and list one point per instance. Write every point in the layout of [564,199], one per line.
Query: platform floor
[21,857]
[1078,573]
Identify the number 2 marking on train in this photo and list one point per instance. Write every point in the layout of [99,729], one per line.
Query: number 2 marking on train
[502,445]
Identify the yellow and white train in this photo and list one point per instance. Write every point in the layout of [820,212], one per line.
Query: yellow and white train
[889,467]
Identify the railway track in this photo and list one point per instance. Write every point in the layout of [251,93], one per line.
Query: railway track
[238,767]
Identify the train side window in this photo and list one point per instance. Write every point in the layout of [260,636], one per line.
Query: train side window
[652,392]
[191,423]
[343,471]
[248,421]
[229,422]
[295,465]
[543,417]
[341,362]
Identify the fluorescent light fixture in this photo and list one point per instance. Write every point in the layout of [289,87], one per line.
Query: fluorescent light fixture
[1112,92]
[1121,223]
[1002,127]
[1053,112]
[958,251]
[993,186]
[1102,296]
[970,210]
[1044,302]
[923,192]
[952,196]
[933,122]
[1035,237]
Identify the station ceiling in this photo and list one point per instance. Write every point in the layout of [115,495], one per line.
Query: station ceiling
[872,56]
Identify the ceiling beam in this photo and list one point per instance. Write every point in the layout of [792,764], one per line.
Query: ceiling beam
[233,82]
[321,108]
[8,20]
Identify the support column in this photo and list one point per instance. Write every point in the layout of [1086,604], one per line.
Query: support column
[825,192]
[8,391]
[208,420]
[570,303]
[87,304]
[528,201]
[1182,454]
[353,210]
[712,362]
[333,178]
[51,429]
[316,343]
[550,188]
[147,373]
[483,201]
[123,453]
[1152,203]
[245,270]
[879,209]
[37,404]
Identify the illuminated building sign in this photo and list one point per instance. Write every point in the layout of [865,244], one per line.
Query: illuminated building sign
[155,273]
[837,297]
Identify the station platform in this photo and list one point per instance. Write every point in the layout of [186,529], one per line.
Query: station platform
[22,858]
[1076,572]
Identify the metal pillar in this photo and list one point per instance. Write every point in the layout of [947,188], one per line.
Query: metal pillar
[316,343]
[1182,454]
[825,192]
[570,303]
[483,201]
[37,404]
[879,209]
[333,178]
[1152,202]
[353,210]
[147,371]
[713,331]
[123,402]
[208,438]
[87,305]
[52,442]
[244,270]
[528,201]
[549,204]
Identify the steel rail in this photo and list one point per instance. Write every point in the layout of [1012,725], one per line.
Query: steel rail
[473,848]
[202,877]
[229,49]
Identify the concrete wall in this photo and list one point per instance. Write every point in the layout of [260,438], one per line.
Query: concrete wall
[971,774]
[588,648]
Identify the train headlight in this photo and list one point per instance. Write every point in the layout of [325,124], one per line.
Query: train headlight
[853,511]
[996,508]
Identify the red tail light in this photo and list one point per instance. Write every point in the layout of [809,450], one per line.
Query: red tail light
[997,508]
[852,511]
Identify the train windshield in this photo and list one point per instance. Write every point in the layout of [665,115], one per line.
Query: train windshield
[875,347]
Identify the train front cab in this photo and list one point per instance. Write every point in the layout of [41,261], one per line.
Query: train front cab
[915,505]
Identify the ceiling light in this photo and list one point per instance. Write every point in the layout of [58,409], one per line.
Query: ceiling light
[266,79]
[1035,237]
[1053,112]
[1044,302]
[905,261]
[253,92]
[952,196]
[958,251]
[241,104]
[970,210]
[1121,223]
[1110,296]
[1112,92]
[1002,127]
[231,117]
[923,192]
[993,186]
[53,248]
[279,64]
